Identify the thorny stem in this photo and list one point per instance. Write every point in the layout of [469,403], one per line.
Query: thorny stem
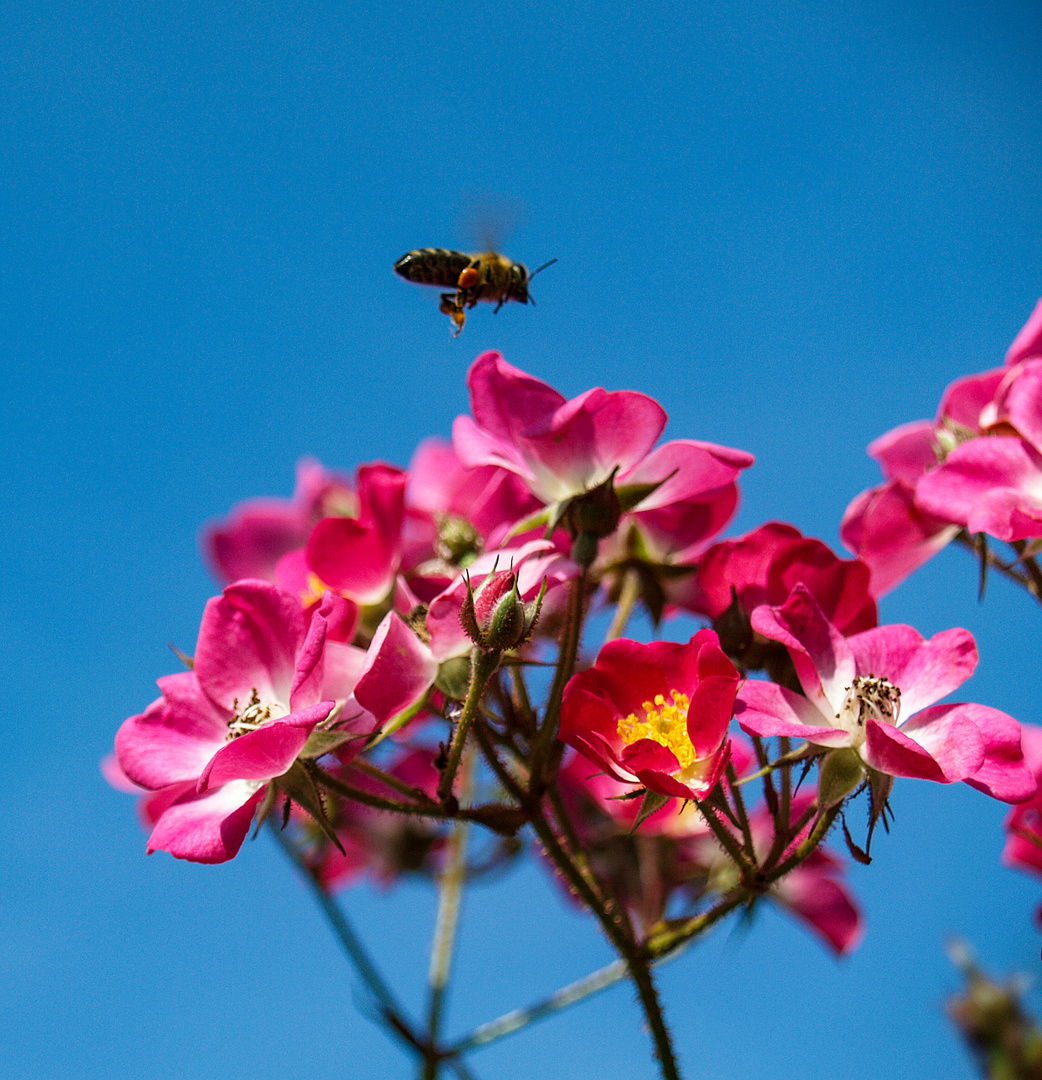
[629,594]
[349,940]
[564,819]
[565,667]
[561,999]
[665,941]
[725,838]
[450,892]
[814,837]
[619,932]
[503,775]
[782,811]
[1030,578]
[482,667]
[1031,566]
[390,1011]
[422,807]
[739,806]
[410,791]
[785,759]
[497,817]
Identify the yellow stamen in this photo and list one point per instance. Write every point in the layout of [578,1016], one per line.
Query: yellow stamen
[665,724]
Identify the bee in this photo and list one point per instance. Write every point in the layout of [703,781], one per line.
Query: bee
[485,276]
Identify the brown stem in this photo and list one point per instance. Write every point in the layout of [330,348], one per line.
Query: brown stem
[620,935]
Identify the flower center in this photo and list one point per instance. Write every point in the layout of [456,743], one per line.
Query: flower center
[866,697]
[665,724]
[252,715]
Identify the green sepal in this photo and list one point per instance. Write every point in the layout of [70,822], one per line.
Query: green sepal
[652,802]
[535,520]
[840,772]
[188,661]
[453,677]
[323,740]
[631,495]
[298,782]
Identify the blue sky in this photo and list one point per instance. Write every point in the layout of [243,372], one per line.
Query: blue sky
[793,224]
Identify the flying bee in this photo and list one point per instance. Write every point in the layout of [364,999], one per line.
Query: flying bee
[485,276]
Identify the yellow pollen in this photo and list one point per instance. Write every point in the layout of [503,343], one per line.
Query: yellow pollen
[665,724]
[312,591]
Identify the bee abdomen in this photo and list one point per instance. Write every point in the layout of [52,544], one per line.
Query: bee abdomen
[433,266]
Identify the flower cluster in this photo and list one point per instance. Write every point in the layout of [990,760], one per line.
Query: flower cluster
[353,608]
[399,654]
[976,467]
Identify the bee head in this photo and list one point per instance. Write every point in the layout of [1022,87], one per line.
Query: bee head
[518,288]
[519,279]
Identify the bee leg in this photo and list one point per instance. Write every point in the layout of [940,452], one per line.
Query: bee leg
[451,307]
[499,305]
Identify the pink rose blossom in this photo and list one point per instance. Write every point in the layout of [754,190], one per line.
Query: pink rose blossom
[490,498]
[874,693]
[1024,822]
[763,566]
[359,557]
[559,448]
[892,535]
[1027,343]
[262,681]
[257,533]
[977,466]
[400,668]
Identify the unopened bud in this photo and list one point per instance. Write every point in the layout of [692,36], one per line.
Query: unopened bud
[495,617]
[457,540]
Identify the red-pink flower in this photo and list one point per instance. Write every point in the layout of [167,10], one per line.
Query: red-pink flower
[891,534]
[763,566]
[1024,822]
[559,448]
[994,484]
[874,693]
[400,669]
[1027,343]
[257,533]
[359,557]
[656,714]
[262,681]
[489,498]
[695,497]
[977,466]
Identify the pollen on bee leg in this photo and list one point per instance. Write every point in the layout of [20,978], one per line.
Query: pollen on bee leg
[468,278]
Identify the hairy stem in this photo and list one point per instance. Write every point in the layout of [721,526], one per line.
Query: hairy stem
[565,668]
[482,668]
[616,926]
